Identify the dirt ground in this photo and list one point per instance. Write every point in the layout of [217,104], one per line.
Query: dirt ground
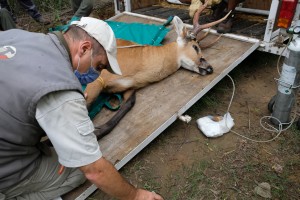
[183,164]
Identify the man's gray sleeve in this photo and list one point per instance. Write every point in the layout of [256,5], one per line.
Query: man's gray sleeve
[64,117]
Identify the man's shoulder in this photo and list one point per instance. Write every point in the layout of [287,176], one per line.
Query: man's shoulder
[17,35]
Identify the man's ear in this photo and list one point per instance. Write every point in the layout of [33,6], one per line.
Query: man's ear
[84,47]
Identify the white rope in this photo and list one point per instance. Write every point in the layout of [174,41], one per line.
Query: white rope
[271,129]
[130,46]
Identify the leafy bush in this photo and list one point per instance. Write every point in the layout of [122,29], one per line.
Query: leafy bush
[49,6]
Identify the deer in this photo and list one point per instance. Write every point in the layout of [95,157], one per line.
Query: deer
[142,65]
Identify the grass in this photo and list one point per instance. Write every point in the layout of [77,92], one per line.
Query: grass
[45,7]
[279,184]
[195,185]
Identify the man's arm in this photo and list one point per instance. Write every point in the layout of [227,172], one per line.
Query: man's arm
[64,117]
[105,176]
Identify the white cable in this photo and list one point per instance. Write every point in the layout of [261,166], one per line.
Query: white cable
[274,129]
[290,39]
[130,46]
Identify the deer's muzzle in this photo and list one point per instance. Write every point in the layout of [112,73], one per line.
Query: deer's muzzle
[204,67]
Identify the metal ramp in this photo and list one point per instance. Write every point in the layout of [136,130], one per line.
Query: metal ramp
[159,105]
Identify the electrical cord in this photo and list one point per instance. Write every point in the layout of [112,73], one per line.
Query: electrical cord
[279,130]
[289,41]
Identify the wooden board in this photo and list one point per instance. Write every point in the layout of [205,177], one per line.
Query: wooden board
[159,105]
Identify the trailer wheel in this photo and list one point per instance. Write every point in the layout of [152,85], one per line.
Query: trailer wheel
[271,104]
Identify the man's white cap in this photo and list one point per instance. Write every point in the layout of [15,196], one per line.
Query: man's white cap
[102,32]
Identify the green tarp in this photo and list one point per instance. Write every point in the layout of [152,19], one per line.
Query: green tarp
[144,34]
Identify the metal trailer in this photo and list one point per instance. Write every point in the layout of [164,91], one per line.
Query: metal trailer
[273,39]
[160,104]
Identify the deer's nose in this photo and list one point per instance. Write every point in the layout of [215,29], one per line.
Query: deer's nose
[206,66]
[209,69]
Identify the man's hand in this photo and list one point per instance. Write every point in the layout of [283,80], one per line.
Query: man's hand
[106,177]
[146,195]
[93,90]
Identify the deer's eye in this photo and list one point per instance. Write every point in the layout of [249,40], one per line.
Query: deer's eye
[196,48]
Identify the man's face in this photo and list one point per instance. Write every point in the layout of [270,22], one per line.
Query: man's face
[100,62]
[84,60]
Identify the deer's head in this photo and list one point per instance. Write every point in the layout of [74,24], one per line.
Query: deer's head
[189,50]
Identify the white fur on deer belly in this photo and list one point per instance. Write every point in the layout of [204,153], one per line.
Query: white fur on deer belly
[125,82]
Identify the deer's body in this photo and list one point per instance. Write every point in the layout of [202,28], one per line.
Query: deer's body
[141,66]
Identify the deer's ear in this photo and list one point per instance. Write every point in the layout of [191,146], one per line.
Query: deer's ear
[180,30]
[178,25]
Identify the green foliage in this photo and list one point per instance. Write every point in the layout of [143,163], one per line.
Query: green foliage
[279,184]
[54,5]
[49,6]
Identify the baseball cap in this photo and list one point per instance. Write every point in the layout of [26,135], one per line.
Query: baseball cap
[102,32]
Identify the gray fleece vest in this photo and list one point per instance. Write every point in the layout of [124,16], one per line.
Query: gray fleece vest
[31,66]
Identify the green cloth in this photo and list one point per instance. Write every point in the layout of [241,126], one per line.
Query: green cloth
[103,100]
[144,34]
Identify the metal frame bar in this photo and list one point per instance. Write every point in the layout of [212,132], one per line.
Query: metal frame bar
[253,11]
[271,21]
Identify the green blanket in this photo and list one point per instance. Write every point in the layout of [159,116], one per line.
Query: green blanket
[144,34]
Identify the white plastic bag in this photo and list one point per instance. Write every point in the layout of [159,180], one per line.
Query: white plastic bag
[215,127]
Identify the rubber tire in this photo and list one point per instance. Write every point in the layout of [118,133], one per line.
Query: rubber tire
[271,104]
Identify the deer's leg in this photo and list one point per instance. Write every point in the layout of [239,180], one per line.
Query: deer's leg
[127,83]
[119,85]
[93,90]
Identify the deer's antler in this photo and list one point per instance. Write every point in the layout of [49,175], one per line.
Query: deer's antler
[197,27]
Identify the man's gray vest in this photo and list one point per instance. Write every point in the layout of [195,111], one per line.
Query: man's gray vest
[31,66]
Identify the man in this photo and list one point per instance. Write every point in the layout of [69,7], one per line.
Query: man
[43,97]
[82,8]
[31,9]
[221,10]
[6,21]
